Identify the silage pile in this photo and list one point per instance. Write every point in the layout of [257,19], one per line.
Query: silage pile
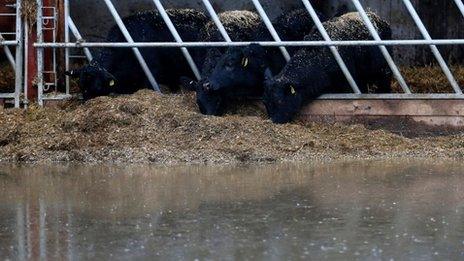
[429,79]
[7,81]
[149,128]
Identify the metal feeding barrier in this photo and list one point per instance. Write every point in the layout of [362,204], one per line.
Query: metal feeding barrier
[13,40]
[79,43]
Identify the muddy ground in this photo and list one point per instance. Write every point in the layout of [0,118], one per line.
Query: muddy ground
[149,128]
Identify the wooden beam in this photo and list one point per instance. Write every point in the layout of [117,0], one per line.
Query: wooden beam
[429,112]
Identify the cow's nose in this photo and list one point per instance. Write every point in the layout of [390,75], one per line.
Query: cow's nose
[207,86]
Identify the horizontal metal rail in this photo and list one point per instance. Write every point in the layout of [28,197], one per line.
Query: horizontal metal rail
[7,95]
[266,44]
[394,96]
[277,42]
[8,43]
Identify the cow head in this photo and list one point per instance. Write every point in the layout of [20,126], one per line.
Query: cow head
[210,102]
[239,67]
[282,99]
[94,80]
[238,71]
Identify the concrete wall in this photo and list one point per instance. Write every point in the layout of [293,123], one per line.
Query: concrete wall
[94,25]
[440,16]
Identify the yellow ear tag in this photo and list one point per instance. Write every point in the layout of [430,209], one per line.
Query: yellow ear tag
[245,62]
[292,90]
[112,83]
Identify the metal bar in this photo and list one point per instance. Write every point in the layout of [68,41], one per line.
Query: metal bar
[136,51]
[26,60]
[79,38]
[40,55]
[8,53]
[55,26]
[8,43]
[7,95]
[177,37]
[383,49]
[217,21]
[266,44]
[399,96]
[435,51]
[333,49]
[19,55]
[271,28]
[66,39]
[57,97]
[460,6]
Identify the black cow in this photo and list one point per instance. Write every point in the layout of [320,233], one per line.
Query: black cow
[239,73]
[116,70]
[314,72]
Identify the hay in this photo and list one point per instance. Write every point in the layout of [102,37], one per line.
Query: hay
[7,78]
[29,11]
[429,79]
[149,128]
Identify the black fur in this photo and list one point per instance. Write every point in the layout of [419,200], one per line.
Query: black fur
[314,72]
[166,64]
[239,72]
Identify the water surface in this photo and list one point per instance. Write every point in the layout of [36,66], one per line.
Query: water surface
[364,211]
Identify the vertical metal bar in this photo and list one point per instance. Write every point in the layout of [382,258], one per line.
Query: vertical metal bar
[66,39]
[20,233]
[54,50]
[78,36]
[271,28]
[19,55]
[136,51]
[26,61]
[42,230]
[40,54]
[177,37]
[383,49]
[217,21]
[460,6]
[333,49]
[435,51]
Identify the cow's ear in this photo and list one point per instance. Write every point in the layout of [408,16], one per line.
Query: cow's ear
[109,76]
[268,74]
[73,73]
[188,84]
[110,79]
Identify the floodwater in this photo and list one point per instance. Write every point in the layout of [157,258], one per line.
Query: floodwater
[342,211]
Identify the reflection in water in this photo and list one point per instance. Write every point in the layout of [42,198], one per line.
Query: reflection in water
[373,210]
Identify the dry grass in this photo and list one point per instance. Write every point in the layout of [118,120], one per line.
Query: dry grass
[429,79]
[7,81]
[29,11]
[148,128]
